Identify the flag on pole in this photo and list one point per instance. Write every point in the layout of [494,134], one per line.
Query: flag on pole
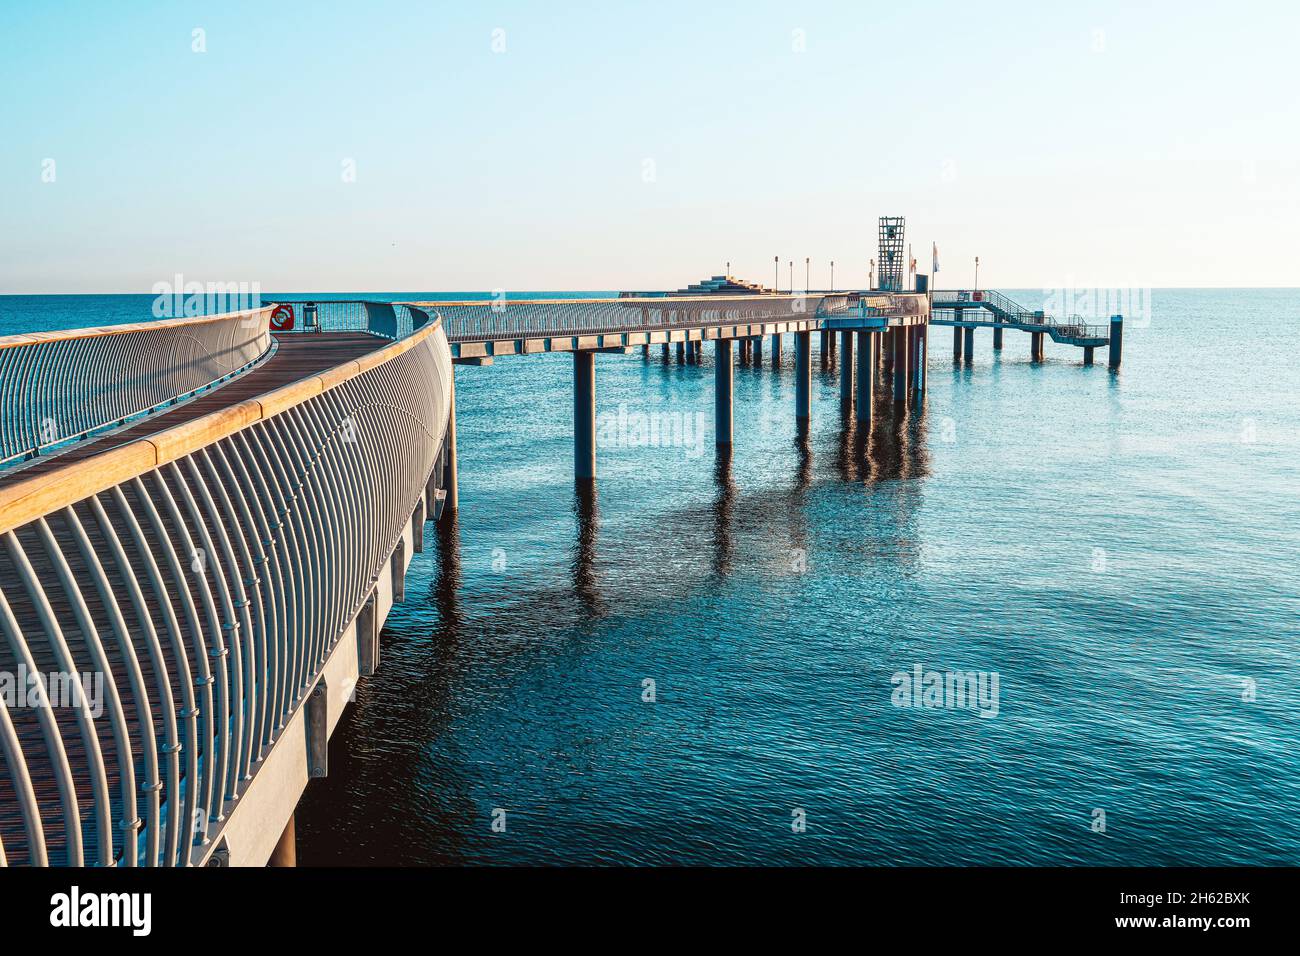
[936,256]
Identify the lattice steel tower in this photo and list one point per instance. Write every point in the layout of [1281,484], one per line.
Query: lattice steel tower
[890,262]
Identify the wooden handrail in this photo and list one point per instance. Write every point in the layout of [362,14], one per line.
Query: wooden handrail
[26,500]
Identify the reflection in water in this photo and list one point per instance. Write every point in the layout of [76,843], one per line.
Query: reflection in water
[723,505]
[446,582]
[585,581]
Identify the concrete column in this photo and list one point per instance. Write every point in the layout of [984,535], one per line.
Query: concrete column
[825,348]
[1035,346]
[997,338]
[776,349]
[802,379]
[846,372]
[645,351]
[756,349]
[1087,354]
[969,346]
[722,393]
[681,353]
[450,479]
[286,851]
[1116,340]
[584,416]
[956,343]
[922,357]
[832,347]
[900,364]
[667,356]
[868,344]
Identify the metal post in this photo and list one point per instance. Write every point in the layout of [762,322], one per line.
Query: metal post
[723,379]
[868,343]
[1035,346]
[997,338]
[1116,340]
[584,416]
[681,353]
[666,355]
[956,342]
[776,350]
[802,379]
[969,346]
[756,349]
[825,348]
[846,372]
[1087,354]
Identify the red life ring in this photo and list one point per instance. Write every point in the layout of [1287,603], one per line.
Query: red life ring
[282,318]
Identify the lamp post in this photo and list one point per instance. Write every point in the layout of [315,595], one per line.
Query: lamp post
[792,277]
[977,273]
[832,275]
[776,273]
[807,272]
[871,275]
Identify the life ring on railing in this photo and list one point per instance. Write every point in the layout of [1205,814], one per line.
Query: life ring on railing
[282,318]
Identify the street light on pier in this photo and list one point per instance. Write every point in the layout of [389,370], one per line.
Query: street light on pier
[807,272]
[776,273]
[977,273]
[792,277]
[832,275]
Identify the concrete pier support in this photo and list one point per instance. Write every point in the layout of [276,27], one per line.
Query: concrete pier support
[825,348]
[846,373]
[802,379]
[666,353]
[723,384]
[286,850]
[776,349]
[584,416]
[956,343]
[832,348]
[922,363]
[969,345]
[681,353]
[997,338]
[1116,340]
[901,336]
[868,344]
[450,476]
[756,349]
[1087,354]
[1035,346]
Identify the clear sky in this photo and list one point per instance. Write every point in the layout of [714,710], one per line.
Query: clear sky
[608,145]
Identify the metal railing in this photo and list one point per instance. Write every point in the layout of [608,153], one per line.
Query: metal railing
[485,321]
[1006,310]
[61,387]
[200,578]
[389,320]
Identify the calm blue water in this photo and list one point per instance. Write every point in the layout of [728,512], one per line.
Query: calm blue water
[1120,550]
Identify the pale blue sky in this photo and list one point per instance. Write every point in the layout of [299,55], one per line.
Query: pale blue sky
[1109,144]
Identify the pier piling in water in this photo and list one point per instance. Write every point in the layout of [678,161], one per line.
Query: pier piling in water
[956,343]
[776,350]
[997,338]
[868,344]
[723,384]
[1087,354]
[584,415]
[846,373]
[1035,346]
[969,346]
[900,335]
[802,379]
[1116,340]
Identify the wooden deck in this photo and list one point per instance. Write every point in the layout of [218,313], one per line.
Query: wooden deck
[298,356]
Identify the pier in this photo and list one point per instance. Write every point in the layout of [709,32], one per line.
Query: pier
[210,519]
